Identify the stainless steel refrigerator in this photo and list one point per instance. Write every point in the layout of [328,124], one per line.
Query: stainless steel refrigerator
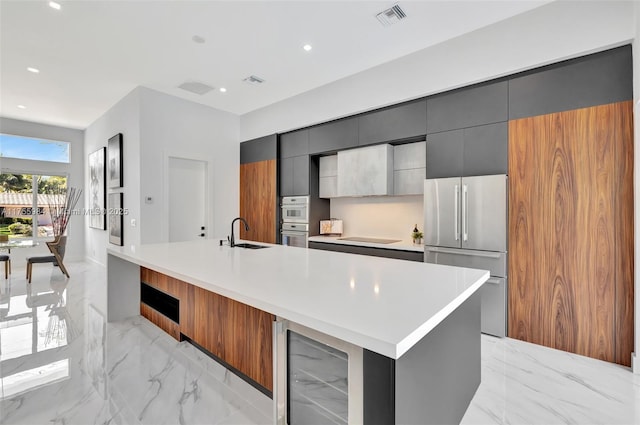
[465,224]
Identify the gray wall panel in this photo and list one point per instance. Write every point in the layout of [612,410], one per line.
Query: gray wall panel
[468,107]
[598,79]
[445,154]
[334,136]
[395,123]
[294,144]
[485,150]
[437,378]
[260,149]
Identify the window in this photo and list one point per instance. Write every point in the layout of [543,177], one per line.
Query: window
[34,149]
[23,211]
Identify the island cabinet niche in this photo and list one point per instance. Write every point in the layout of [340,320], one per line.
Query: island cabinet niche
[237,335]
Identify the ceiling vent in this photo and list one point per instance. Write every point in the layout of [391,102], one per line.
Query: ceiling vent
[391,16]
[195,87]
[252,79]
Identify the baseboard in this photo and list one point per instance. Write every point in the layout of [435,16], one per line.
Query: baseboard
[94,261]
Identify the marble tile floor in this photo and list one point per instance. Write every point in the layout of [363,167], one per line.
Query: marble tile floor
[61,363]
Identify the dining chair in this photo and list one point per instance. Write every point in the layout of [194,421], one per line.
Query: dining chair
[7,265]
[57,248]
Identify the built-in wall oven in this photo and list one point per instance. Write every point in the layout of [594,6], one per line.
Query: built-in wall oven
[295,234]
[295,221]
[295,209]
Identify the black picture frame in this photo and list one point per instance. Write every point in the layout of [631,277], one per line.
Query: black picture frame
[114,161]
[97,189]
[116,219]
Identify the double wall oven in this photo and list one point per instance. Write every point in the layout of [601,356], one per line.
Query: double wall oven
[295,221]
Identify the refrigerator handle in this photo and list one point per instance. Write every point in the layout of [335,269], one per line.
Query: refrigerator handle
[465,212]
[456,198]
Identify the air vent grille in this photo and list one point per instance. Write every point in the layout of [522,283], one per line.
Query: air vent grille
[195,87]
[391,16]
[252,79]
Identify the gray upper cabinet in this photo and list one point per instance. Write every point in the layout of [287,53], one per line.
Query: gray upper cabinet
[395,123]
[474,151]
[598,79]
[260,149]
[445,154]
[295,143]
[470,107]
[294,176]
[485,150]
[334,136]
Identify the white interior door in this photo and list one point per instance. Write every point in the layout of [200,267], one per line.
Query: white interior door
[187,199]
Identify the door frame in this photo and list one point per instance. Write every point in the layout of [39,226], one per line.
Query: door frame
[208,188]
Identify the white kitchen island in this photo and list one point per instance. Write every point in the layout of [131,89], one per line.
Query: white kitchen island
[417,321]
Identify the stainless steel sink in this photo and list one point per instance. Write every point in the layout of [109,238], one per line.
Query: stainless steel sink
[250,246]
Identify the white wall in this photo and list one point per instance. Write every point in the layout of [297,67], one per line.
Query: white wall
[75,243]
[557,31]
[123,117]
[382,217]
[170,126]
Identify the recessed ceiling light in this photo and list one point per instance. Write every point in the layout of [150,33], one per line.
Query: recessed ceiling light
[22,107]
[307,47]
[34,70]
[223,90]
[198,39]
[54,5]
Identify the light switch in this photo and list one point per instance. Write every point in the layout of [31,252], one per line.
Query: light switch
[148,200]
[133,222]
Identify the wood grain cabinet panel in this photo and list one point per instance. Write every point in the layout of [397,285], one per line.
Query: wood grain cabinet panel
[570,231]
[237,334]
[258,200]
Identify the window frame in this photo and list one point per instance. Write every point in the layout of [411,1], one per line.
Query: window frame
[69,147]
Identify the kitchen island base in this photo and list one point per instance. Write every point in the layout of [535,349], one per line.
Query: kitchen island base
[432,383]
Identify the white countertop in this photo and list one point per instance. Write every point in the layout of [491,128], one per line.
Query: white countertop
[381,304]
[403,245]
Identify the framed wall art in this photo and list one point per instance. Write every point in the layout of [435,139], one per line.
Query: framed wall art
[116,218]
[97,189]
[114,157]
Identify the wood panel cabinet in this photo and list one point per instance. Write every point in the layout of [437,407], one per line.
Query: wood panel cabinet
[570,231]
[237,334]
[259,201]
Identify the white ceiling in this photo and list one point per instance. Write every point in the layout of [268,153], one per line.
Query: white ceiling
[91,53]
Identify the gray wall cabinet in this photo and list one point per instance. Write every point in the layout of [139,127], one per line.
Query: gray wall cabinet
[295,143]
[468,107]
[395,123]
[334,136]
[328,176]
[366,171]
[597,79]
[260,149]
[409,168]
[294,176]
[474,151]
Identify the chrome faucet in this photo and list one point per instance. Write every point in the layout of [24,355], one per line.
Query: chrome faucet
[232,241]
